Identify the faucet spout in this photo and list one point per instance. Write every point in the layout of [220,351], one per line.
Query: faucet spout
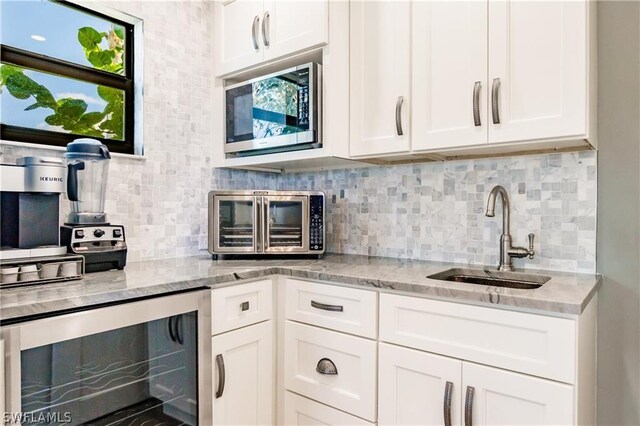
[491,207]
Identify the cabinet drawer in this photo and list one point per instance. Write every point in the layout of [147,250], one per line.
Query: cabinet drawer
[300,411]
[352,389]
[338,308]
[241,305]
[533,344]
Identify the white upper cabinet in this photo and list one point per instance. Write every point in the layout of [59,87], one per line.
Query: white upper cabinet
[238,37]
[251,32]
[449,74]
[293,26]
[480,76]
[538,69]
[380,77]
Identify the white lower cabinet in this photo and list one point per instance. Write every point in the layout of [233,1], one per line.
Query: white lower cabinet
[415,388]
[418,388]
[243,376]
[330,367]
[301,411]
[499,397]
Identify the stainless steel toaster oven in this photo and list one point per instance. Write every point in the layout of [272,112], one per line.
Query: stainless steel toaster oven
[266,222]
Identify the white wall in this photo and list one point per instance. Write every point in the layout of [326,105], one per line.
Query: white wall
[618,247]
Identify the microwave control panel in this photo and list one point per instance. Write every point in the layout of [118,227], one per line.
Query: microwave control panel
[316,229]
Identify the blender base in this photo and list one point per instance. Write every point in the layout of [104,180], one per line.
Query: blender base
[102,245]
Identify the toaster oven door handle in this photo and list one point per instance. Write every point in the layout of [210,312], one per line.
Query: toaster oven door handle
[259,224]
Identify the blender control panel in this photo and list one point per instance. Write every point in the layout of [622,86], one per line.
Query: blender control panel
[95,238]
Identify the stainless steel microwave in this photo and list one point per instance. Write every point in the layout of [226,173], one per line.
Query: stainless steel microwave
[274,113]
[266,222]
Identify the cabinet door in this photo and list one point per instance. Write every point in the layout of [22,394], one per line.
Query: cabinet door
[538,51]
[293,26]
[449,74]
[415,387]
[243,383]
[380,70]
[238,36]
[505,398]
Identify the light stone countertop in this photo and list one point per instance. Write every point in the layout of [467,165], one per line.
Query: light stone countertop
[565,293]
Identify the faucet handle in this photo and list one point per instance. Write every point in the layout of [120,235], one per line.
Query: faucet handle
[531,251]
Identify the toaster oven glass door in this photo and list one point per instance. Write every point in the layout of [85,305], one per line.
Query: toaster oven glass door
[287,224]
[236,224]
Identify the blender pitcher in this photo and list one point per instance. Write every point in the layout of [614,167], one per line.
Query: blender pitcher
[87,170]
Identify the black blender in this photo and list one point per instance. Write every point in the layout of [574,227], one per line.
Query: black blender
[87,231]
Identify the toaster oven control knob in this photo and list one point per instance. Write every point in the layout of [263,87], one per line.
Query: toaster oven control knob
[98,233]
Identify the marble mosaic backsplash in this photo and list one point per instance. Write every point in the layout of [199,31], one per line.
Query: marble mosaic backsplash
[432,211]
[435,211]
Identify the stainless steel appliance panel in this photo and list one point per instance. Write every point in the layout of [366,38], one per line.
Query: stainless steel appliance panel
[266,222]
[279,111]
[141,361]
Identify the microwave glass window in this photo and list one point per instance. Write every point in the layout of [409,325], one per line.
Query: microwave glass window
[142,374]
[285,224]
[236,223]
[268,108]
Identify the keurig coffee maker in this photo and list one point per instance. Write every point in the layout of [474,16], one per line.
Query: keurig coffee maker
[87,231]
[30,207]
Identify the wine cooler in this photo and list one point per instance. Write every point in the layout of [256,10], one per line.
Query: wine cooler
[140,363]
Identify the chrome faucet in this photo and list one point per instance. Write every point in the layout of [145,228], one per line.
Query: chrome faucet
[507,251]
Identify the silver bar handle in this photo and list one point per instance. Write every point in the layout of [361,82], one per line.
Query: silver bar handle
[254,30]
[258,226]
[399,115]
[221,374]
[468,407]
[265,31]
[476,103]
[495,108]
[448,392]
[325,307]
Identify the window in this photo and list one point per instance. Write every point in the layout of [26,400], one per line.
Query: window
[66,72]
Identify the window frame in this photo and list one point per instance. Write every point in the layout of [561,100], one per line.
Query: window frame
[39,62]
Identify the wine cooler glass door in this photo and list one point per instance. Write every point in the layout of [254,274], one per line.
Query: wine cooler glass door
[143,372]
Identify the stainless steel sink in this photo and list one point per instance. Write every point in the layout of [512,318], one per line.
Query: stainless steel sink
[517,280]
